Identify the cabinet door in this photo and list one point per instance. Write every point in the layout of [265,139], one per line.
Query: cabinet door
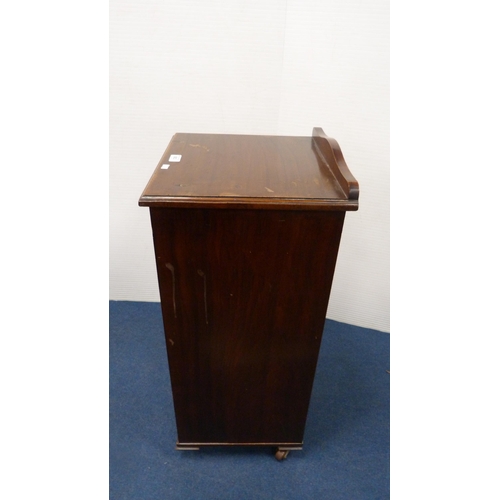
[244,296]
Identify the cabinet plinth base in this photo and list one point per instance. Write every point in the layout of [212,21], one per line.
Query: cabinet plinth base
[281,451]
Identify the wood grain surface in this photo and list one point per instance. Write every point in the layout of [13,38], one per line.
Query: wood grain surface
[244,296]
[246,233]
[245,171]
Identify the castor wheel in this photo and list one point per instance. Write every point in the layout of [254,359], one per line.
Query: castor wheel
[281,454]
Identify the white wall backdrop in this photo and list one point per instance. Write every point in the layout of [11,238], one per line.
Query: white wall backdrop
[272,67]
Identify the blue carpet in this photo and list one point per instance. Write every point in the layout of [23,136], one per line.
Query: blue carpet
[346,442]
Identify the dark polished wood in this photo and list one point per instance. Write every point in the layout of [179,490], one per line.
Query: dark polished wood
[329,151]
[246,233]
[245,171]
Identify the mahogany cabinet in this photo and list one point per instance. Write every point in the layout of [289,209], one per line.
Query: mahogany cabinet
[246,232]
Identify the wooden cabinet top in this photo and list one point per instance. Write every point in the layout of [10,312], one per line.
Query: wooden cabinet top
[252,171]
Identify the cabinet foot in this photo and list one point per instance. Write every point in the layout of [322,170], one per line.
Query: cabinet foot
[281,454]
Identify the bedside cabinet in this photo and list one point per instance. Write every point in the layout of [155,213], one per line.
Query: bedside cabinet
[246,232]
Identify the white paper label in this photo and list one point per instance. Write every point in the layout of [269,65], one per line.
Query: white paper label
[165,166]
[174,158]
